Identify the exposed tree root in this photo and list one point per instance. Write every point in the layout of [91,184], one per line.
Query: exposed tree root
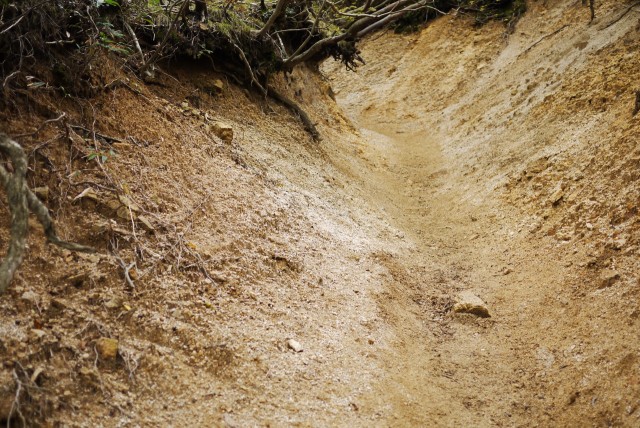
[295,108]
[21,201]
[622,15]
[15,186]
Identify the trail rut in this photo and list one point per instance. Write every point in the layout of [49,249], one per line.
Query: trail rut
[445,137]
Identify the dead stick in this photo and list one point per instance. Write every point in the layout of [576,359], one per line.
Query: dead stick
[126,270]
[41,127]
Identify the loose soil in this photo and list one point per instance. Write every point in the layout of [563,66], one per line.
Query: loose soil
[458,159]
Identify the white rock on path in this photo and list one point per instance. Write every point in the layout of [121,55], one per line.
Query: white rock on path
[294,345]
[30,296]
[469,303]
[221,130]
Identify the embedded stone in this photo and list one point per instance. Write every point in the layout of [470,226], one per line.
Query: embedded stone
[469,303]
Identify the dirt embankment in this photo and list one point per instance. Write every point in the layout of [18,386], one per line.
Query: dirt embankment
[244,246]
[505,166]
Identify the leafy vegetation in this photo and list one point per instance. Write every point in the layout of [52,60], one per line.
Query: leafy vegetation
[250,41]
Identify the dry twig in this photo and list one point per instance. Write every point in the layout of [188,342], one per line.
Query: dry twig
[42,126]
[126,268]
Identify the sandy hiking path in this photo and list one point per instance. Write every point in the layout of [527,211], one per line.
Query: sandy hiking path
[449,119]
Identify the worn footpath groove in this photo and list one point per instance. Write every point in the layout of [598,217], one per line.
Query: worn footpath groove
[438,158]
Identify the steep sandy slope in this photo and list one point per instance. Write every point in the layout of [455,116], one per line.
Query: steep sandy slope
[254,243]
[512,164]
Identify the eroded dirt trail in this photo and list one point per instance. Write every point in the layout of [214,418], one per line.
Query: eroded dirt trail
[443,144]
[448,373]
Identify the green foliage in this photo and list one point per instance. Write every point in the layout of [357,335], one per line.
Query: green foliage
[100,156]
[112,39]
[486,10]
[483,11]
[69,34]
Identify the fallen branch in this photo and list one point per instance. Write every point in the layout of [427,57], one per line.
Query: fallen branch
[21,201]
[280,7]
[8,78]
[136,43]
[15,405]
[249,70]
[155,55]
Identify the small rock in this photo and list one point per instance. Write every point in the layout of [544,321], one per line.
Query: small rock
[42,192]
[217,86]
[222,131]
[618,244]
[29,296]
[58,304]
[127,202]
[469,303]
[146,223]
[38,333]
[114,303]
[608,277]
[112,204]
[294,345]
[123,213]
[589,226]
[556,196]
[87,193]
[121,146]
[107,348]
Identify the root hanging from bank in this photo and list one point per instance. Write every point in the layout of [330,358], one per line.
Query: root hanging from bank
[21,201]
[309,126]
